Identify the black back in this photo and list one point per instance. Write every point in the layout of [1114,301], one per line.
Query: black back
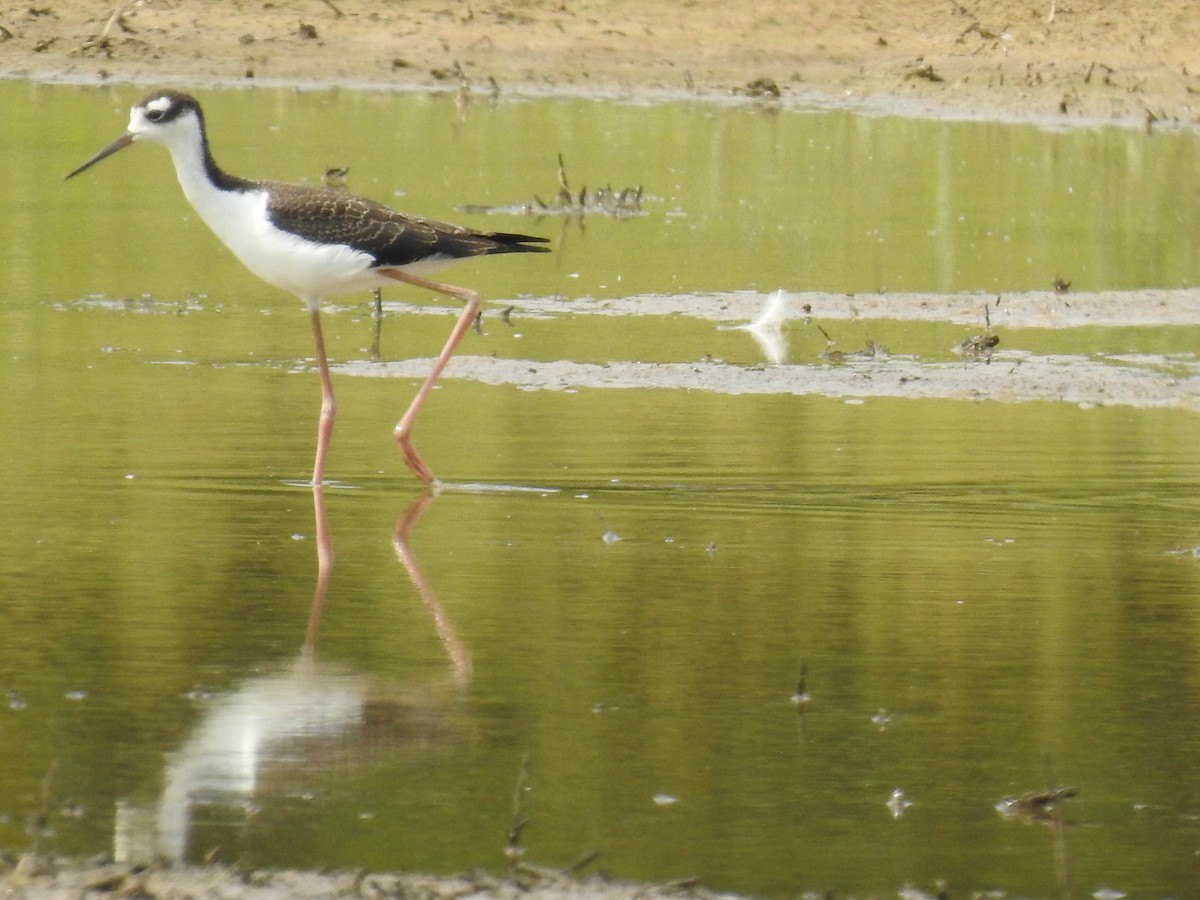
[392,238]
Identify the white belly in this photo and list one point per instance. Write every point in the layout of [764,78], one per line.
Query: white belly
[290,263]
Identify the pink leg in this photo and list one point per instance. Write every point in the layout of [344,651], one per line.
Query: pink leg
[328,404]
[403,430]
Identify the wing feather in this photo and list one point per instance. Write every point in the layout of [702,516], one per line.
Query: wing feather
[394,239]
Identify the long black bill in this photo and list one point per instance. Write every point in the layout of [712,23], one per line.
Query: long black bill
[123,141]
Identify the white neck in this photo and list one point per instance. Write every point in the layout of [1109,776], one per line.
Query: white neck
[221,206]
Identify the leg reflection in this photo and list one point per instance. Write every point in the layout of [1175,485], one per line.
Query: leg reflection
[288,726]
[460,657]
[324,569]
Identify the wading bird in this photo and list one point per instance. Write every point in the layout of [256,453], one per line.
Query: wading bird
[315,242]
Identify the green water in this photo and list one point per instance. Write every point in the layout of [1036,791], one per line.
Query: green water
[1002,579]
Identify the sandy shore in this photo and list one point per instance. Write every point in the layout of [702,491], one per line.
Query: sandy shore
[1079,60]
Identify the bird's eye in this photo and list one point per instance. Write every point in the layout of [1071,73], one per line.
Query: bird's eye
[154,115]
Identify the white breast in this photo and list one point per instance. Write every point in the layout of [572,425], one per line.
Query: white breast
[239,219]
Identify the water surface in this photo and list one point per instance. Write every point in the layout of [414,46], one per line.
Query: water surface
[1012,583]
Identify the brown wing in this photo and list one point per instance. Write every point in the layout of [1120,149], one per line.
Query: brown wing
[392,238]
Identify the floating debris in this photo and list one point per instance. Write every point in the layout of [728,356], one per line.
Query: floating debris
[146,303]
[759,87]
[981,346]
[604,201]
[882,719]
[609,536]
[1035,805]
[872,351]
[335,178]
[802,697]
[898,803]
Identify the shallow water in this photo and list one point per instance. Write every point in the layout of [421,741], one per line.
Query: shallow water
[1013,583]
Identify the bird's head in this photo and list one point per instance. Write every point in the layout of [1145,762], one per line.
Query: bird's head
[163,117]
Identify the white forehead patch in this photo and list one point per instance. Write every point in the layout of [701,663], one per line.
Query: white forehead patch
[159,104]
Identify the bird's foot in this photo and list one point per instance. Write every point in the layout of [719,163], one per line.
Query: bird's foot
[413,459]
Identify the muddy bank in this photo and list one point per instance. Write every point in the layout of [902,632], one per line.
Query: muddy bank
[1033,309]
[987,367]
[39,877]
[1044,60]
[1142,381]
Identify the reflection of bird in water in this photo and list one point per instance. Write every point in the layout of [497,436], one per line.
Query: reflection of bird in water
[315,242]
[274,731]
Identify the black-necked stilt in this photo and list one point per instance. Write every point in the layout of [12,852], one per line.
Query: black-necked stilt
[315,242]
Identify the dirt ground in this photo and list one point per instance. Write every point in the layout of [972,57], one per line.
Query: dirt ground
[1066,59]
